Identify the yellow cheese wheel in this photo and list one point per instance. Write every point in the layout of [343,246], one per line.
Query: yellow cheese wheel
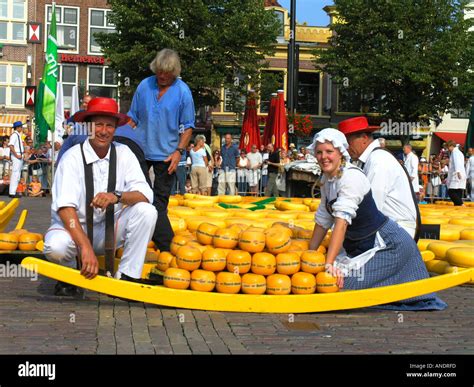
[252,241]
[182,212]
[427,255]
[214,260]
[228,282]
[8,241]
[177,224]
[225,238]
[188,257]
[467,221]
[164,260]
[326,283]
[277,241]
[461,256]
[423,243]
[203,280]
[287,263]
[194,222]
[177,242]
[253,284]
[437,266]
[263,263]
[467,233]
[303,283]
[205,233]
[176,278]
[299,244]
[230,199]
[27,241]
[215,213]
[239,261]
[449,234]
[313,262]
[434,220]
[440,248]
[278,284]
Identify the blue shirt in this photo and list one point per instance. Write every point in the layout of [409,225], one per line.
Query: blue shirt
[229,157]
[160,122]
[74,139]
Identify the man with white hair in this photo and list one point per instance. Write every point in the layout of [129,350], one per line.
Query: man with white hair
[162,113]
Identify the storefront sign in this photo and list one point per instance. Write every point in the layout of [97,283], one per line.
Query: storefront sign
[69,58]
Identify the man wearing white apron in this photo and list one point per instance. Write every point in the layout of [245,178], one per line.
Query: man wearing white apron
[411,164]
[391,189]
[16,153]
[133,217]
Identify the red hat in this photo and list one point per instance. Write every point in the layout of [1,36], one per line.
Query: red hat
[356,125]
[101,106]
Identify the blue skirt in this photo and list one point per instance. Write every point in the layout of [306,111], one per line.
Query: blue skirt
[398,263]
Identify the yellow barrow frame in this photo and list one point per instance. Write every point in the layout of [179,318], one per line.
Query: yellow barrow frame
[188,299]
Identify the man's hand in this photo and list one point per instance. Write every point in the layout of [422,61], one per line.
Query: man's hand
[174,160]
[335,272]
[90,264]
[104,199]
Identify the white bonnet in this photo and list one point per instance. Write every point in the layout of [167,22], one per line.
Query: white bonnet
[335,137]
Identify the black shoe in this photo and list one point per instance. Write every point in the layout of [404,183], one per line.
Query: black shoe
[64,289]
[155,280]
[15,196]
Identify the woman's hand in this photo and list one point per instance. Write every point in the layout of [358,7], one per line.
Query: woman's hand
[335,272]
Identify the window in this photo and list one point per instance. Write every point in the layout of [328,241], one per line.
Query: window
[281,19]
[271,82]
[460,113]
[68,77]
[102,81]
[67,22]
[308,93]
[13,21]
[228,106]
[98,22]
[12,84]
[353,101]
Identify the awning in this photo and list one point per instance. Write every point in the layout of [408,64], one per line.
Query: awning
[459,138]
[7,120]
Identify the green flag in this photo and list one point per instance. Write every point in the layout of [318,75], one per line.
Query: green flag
[41,127]
[50,78]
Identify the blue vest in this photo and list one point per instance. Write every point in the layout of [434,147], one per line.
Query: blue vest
[360,235]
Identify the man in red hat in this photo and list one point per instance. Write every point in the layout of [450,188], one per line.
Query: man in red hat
[391,188]
[101,201]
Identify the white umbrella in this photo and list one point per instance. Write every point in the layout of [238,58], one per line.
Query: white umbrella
[74,100]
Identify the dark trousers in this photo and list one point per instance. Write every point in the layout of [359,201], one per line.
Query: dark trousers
[138,152]
[180,179]
[161,189]
[456,196]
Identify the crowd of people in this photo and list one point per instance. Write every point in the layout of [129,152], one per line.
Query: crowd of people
[25,170]
[229,170]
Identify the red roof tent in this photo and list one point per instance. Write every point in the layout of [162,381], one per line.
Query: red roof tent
[460,138]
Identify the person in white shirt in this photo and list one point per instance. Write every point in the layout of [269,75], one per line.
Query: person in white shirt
[6,156]
[470,172]
[410,160]
[200,162]
[391,189]
[130,203]
[456,181]
[16,154]
[255,163]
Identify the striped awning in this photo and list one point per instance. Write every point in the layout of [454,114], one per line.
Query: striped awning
[7,120]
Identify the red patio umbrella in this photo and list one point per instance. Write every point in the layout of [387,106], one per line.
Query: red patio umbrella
[267,132]
[250,130]
[280,125]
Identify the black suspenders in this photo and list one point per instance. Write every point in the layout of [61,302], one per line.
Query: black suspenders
[413,195]
[109,212]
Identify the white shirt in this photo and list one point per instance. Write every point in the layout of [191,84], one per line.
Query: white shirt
[197,157]
[390,187]
[15,140]
[470,167]
[411,164]
[265,166]
[255,158]
[456,165]
[350,190]
[6,153]
[69,189]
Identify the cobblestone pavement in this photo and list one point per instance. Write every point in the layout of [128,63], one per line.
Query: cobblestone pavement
[33,321]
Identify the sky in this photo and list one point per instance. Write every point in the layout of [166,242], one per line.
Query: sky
[310,11]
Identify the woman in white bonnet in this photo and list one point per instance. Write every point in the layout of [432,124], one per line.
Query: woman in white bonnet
[377,252]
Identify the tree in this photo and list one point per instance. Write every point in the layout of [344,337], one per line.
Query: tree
[416,56]
[220,42]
